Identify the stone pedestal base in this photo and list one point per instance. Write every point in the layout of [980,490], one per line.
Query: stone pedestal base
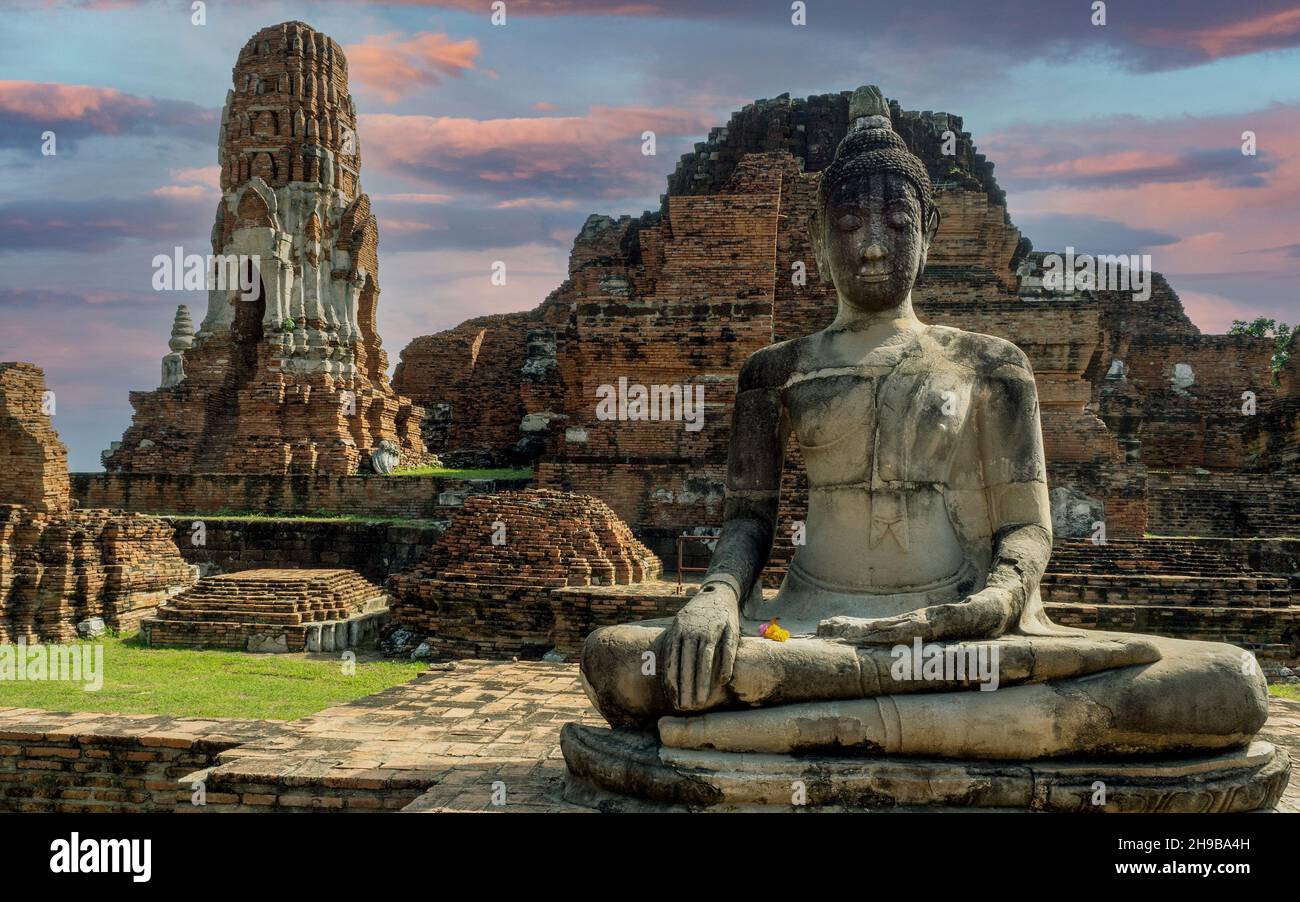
[627,770]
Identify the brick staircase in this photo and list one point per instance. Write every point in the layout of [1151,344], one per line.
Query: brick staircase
[1238,591]
[1242,591]
[272,610]
[1185,572]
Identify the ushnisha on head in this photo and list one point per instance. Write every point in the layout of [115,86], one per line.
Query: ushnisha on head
[875,214]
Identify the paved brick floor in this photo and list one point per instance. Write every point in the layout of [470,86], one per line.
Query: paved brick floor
[464,730]
[449,739]
[1283,729]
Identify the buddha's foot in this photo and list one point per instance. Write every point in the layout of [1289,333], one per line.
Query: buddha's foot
[630,770]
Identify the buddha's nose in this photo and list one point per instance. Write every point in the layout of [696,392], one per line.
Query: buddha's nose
[873,253]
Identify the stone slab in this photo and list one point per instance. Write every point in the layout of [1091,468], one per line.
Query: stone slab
[607,763]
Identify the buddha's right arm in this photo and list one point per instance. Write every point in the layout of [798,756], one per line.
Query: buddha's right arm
[759,431]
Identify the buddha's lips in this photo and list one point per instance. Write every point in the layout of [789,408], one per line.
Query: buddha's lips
[874,275]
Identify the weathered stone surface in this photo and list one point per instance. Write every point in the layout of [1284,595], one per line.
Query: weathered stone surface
[288,375]
[607,766]
[440,743]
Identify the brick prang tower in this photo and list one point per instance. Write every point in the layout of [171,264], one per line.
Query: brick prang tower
[286,372]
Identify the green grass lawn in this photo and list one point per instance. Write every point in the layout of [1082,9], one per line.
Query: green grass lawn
[317,517]
[501,473]
[185,682]
[1285,690]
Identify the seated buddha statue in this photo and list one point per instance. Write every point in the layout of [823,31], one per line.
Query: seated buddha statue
[928,522]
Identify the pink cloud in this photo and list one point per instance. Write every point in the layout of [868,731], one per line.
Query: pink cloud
[73,112]
[209,176]
[101,107]
[537,203]
[182,192]
[595,154]
[1266,31]
[1214,313]
[409,198]
[392,67]
[1233,215]
[403,226]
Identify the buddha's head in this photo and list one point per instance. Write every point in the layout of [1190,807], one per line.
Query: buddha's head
[875,215]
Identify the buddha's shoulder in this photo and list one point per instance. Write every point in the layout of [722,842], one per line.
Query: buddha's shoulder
[771,366]
[987,355]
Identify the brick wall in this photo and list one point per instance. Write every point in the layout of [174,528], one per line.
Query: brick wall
[410,497]
[374,550]
[83,763]
[33,460]
[1223,504]
[58,565]
[485,588]
[467,620]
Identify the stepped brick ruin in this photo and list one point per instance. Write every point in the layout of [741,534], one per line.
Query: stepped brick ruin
[286,372]
[489,586]
[60,566]
[680,296]
[272,610]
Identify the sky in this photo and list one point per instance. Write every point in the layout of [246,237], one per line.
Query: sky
[483,142]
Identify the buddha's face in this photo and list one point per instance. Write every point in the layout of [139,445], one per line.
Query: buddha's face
[872,240]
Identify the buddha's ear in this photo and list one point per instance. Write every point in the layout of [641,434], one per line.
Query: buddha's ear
[929,229]
[931,225]
[817,237]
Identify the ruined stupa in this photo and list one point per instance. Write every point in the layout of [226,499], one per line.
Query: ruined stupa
[286,372]
[60,566]
[487,586]
[681,295]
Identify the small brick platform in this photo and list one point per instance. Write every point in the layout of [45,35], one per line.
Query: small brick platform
[272,610]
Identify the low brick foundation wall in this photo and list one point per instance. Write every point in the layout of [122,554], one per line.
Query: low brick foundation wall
[374,550]
[410,497]
[466,620]
[83,763]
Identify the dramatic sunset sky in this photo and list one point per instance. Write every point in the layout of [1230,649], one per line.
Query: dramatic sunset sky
[483,143]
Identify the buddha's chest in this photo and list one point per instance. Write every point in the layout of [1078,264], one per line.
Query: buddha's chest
[860,424]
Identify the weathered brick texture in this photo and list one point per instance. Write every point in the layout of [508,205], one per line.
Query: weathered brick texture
[682,295]
[265,610]
[58,565]
[292,494]
[289,376]
[90,763]
[472,597]
[33,460]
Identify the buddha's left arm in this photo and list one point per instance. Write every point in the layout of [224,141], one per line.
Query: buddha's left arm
[1010,439]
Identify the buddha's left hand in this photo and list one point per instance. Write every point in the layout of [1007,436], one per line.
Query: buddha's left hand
[984,615]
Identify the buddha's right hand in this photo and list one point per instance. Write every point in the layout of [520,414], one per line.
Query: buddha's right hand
[700,647]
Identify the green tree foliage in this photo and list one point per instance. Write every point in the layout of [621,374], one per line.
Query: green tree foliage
[1263,327]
